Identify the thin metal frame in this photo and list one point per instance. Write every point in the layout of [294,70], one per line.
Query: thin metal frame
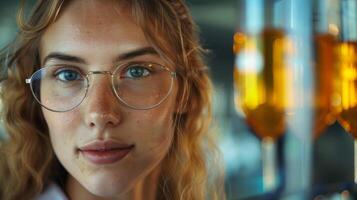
[172,75]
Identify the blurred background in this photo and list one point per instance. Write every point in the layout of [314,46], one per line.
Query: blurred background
[332,152]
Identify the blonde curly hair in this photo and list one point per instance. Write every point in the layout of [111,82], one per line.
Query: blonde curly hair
[191,169]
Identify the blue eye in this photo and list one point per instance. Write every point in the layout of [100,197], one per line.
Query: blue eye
[67,75]
[137,72]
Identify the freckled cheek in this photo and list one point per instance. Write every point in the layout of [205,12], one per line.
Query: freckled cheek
[163,139]
[152,132]
[159,138]
[59,122]
[153,148]
[62,127]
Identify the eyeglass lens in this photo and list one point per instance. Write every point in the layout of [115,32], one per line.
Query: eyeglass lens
[138,85]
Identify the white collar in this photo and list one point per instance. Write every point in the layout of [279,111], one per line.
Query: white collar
[52,192]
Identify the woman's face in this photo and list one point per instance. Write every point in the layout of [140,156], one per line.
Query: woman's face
[95,36]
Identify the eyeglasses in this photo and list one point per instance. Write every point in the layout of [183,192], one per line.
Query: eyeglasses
[139,85]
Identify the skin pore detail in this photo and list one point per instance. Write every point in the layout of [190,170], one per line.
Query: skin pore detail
[86,38]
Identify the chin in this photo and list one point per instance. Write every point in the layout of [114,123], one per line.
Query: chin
[106,187]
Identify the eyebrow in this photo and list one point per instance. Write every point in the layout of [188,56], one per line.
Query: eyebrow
[124,56]
[136,53]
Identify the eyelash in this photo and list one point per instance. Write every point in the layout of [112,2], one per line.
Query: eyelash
[59,68]
[58,73]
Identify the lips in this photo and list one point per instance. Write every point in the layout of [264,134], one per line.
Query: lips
[105,151]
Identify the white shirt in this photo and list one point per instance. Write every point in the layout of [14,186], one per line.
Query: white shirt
[52,192]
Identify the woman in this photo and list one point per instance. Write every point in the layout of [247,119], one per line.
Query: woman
[116,104]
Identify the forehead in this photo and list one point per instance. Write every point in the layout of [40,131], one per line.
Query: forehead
[85,26]
[100,14]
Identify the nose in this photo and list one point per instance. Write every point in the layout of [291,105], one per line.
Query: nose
[101,106]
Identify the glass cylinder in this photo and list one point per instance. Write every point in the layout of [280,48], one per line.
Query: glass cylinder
[273,85]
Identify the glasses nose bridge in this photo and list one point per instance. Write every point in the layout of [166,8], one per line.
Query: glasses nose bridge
[98,73]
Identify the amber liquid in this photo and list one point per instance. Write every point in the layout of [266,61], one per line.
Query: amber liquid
[346,55]
[260,77]
[324,70]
